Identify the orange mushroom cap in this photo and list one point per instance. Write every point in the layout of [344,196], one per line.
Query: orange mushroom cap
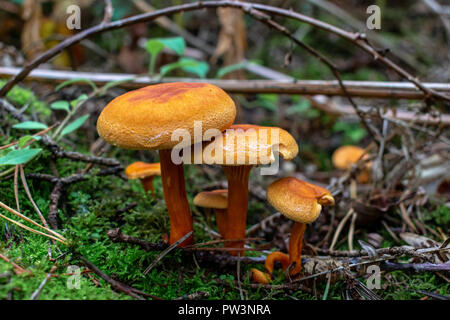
[140,170]
[344,157]
[298,200]
[216,199]
[145,119]
[245,144]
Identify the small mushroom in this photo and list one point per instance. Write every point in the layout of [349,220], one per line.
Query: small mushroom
[147,119]
[144,172]
[274,257]
[260,276]
[242,147]
[217,200]
[346,156]
[301,202]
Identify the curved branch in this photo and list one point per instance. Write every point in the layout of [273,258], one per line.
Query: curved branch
[356,38]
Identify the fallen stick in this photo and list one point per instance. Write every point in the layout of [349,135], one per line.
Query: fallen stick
[416,267]
[114,284]
[327,105]
[367,89]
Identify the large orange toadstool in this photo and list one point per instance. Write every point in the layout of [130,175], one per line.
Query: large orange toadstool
[238,150]
[147,118]
[346,156]
[144,172]
[217,200]
[301,202]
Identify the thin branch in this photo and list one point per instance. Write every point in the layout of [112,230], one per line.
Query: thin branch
[166,251]
[114,283]
[356,38]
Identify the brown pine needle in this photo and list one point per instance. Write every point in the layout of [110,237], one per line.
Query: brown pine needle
[351,232]
[339,228]
[16,186]
[60,237]
[31,229]
[17,269]
[27,191]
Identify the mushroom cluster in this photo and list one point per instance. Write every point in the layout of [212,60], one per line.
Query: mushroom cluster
[146,119]
[149,118]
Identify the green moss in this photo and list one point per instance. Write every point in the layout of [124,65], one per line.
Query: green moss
[21,96]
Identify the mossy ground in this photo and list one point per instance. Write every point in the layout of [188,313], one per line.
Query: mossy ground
[89,211]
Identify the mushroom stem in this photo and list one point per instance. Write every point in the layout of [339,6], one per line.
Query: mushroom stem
[237,204]
[221,220]
[147,183]
[274,257]
[172,176]
[295,247]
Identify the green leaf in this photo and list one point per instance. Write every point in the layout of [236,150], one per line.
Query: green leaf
[224,70]
[74,103]
[267,101]
[30,125]
[72,81]
[16,157]
[154,46]
[177,44]
[199,68]
[175,65]
[303,108]
[23,140]
[74,125]
[357,135]
[60,105]
[114,83]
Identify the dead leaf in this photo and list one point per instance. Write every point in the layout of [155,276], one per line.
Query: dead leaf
[378,206]
[444,189]
[32,44]
[232,40]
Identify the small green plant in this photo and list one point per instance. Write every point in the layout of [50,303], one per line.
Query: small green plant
[352,133]
[25,97]
[178,45]
[440,216]
[302,107]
